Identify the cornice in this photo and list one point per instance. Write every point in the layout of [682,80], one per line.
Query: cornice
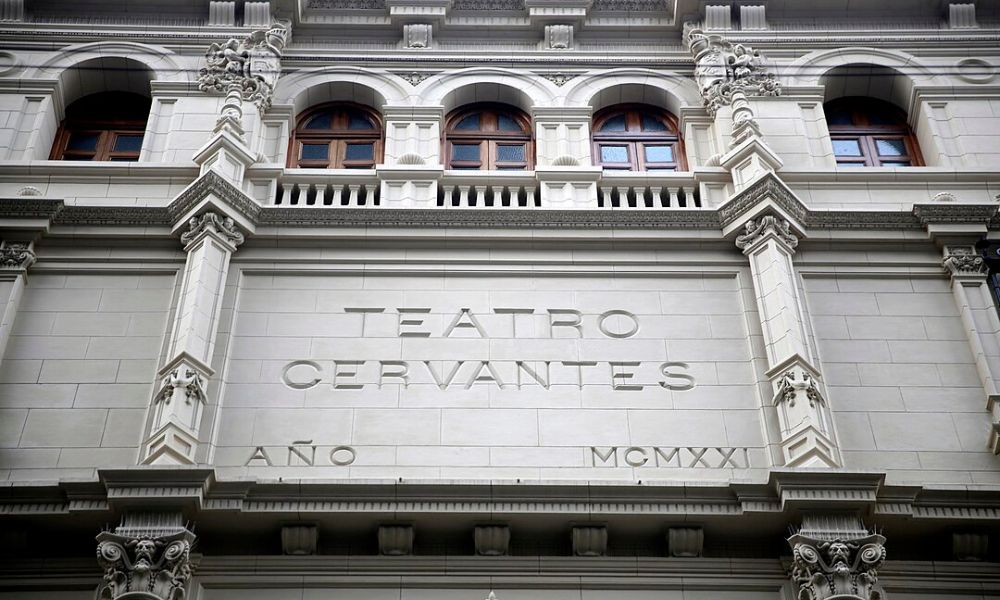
[768,186]
[786,491]
[213,183]
[114,215]
[948,212]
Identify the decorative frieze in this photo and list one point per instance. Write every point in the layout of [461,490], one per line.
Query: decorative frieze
[685,542]
[590,540]
[836,558]
[251,65]
[395,540]
[492,540]
[147,557]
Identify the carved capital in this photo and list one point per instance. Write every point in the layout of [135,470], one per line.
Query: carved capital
[725,70]
[251,66]
[964,261]
[756,230]
[225,227]
[836,561]
[16,256]
[152,563]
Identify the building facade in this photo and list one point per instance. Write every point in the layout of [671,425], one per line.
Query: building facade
[499,299]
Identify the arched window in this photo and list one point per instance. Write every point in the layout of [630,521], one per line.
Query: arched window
[637,137]
[488,136]
[337,136]
[104,126]
[870,133]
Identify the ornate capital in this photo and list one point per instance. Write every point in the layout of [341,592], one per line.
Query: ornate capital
[210,221]
[796,384]
[964,261]
[183,384]
[725,71]
[757,229]
[16,256]
[837,560]
[251,65]
[145,563]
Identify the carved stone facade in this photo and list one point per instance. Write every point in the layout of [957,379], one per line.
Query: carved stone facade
[603,303]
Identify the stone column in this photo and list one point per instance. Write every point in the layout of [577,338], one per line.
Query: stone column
[15,258]
[836,558]
[807,437]
[147,557]
[970,285]
[210,241]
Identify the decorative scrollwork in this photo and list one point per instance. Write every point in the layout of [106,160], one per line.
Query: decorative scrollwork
[756,229]
[251,66]
[16,255]
[157,567]
[224,226]
[965,261]
[725,70]
[830,567]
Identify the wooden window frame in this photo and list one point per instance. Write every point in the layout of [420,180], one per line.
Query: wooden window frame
[488,138]
[107,132]
[636,140]
[866,133]
[336,138]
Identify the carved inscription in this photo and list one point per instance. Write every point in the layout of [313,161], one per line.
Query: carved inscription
[678,457]
[304,453]
[511,374]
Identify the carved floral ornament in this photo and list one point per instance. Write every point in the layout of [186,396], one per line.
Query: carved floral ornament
[757,229]
[251,66]
[144,567]
[793,383]
[725,70]
[16,255]
[182,385]
[210,221]
[964,260]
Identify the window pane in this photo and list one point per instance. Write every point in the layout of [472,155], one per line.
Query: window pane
[469,123]
[78,157]
[128,143]
[896,164]
[614,154]
[360,151]
[890,147]
[615,123]
[359,120]
[651,123]
[851,164]
[465,151]
[507,123]
[846,148]
[510,153]
[86,141]
[321,121]
[315,152]
[655,154]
